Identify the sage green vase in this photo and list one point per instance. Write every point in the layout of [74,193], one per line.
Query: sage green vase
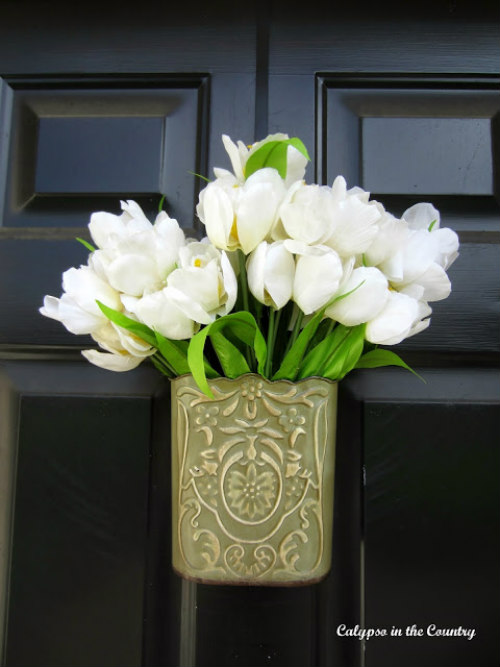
[252,480]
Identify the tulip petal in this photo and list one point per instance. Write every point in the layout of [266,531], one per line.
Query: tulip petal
[217,215]
[279,274]
[448,246]
[339,188]
[255,271]
[421,216]
[365,302]
[133,274]
[136,221]
[190,308]
[70,314]
[230,283]
[76,319]
[394,322]
[112,362]
[85,287]
[104,227]
[257,208]
[296,164]
[307,215]
[235,156]
[436,284]
[317,278]
[354,226]
[159,312]
[200,288]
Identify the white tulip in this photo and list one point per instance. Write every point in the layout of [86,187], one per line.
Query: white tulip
[424,216]
[124,350]
[435,283]
[270,271]
[117,340]
[112,361]
[387,243]
[106,228]
[135,256]
[395,321]
[216,210]
[204,285]
[77,309]
[420,253]
[354,226]
[421,216]
[239,154]
[307,213]
[241,216]
[159,312]
[414,257]
[369,295]
[318,272]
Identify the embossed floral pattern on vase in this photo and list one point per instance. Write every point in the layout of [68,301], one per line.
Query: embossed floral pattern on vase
[251,493]
[253,479]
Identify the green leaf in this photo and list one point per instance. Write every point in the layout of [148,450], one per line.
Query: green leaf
[347,354]
[429,229]
[317,357]
[88,245]
[243,326]
[297,143]
[273,154]
[140,330]
[173,353]
[232,361]
[160,205]
[325,328]
[336,355]
[379,358]
[160,365]
[204,178]
[291,363]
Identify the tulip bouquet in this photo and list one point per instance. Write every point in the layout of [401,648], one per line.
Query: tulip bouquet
[291,281]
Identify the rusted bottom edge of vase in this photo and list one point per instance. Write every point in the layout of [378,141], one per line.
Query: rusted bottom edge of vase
[251,582]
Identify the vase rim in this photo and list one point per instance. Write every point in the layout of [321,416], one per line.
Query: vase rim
[261,377]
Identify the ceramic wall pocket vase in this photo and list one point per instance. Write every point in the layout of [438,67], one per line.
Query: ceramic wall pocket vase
[253,480]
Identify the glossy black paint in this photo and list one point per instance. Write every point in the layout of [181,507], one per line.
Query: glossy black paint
[402,99]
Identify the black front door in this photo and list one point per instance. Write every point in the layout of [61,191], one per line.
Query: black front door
[98,106]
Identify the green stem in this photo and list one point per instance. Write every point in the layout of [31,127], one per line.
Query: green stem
[249,353]
[243,280]
[274,319]
[276,325]
[330,328]
[161,366]
[295,332]
[163,361]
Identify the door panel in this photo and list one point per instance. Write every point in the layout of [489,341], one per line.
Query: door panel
[410,139]
[114,139]
[78,562]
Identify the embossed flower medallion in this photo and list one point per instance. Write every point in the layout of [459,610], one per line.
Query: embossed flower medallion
[251,494]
